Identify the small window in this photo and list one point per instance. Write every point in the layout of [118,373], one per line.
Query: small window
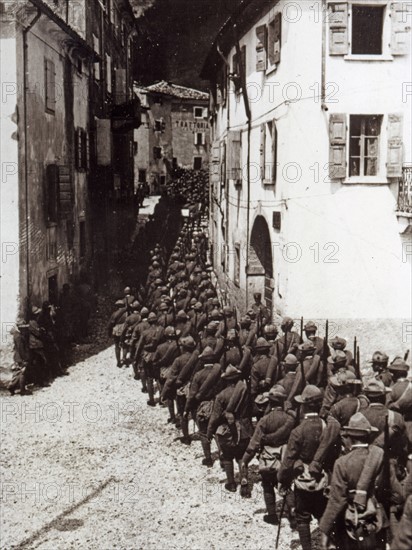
[367,26]
[82,239]
[162,180]
[364,145]
[198,112]
[160,125]
[142,176]
[50,85]
[174,163]
[197,163]
[199,138]
[51,243]
[157,153]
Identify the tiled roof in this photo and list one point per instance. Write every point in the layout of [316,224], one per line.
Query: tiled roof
[180,92]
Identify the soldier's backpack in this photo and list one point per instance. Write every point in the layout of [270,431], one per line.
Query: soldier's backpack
[270,459]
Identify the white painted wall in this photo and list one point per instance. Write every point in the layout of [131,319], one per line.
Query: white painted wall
[371,276]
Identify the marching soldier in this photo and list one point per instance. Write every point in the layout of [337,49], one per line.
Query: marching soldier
[271,434]
[232,429]
[261,310]
[301,449]
[115,328]
[380,368]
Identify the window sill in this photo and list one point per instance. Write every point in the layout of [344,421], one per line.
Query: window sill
[365,180]
[268,183]
[356,57]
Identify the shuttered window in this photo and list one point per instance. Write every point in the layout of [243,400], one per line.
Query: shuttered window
[395,146]
[274,39]
[235,157]
[364,145]
[400,28]
[338,29]
[337,148]
[96,65]
[261,48]
[81,149]
[50,86]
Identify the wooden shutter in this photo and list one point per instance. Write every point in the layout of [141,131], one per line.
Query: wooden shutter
[277,37]
[234,155]
[103,141]
[262,150]
[395,146]
[338,29]
[120,96]
[216,153]
[337,150]
[50,85]
[274,151]
[261,47]
[400,39]
[65,192]
[52,185]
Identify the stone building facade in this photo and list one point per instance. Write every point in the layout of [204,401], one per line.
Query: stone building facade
[175,132]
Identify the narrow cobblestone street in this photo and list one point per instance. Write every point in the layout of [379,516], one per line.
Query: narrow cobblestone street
[87,464]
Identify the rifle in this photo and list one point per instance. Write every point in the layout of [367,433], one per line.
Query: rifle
[174,327]
[325,354]
[355,347]
[259,325]
[405,357]
[386,471]
[280,521]
[301,329]
[357,364]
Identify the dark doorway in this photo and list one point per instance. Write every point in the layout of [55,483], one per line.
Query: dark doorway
[260,269]
[53,290]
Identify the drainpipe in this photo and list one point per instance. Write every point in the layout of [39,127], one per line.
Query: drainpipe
[249,130]
[323,68]
[26,30]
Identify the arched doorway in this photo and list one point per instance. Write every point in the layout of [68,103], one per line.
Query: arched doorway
[260,268]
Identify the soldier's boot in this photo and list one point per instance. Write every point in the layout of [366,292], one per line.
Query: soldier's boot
[135,370]
[230,475]
[143,379]
[184,424]
[291,505]
[270,502]
[171,408]
[150,390]
[207,461]
[117,352]
[244,481]
[304,536]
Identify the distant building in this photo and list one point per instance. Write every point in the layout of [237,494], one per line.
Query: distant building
[68,116]
[310,157]
[174,132]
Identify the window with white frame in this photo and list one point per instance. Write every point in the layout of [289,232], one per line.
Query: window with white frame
[199,112]
[364,132]
[200,138]
[367,28]
[362,28]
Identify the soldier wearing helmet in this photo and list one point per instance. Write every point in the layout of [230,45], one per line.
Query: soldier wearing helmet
[138,330]
[260,364]
[166,352]
[146,347]
[262,312]
[380,367]
[115,328]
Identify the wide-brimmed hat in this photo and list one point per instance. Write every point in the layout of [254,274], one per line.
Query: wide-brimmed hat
[399,365]
[290,359]
[277,393]
[343,379]
[358,425]
[231,372]
[309,395]
[262,398]
[338,343]
[310,325]
[207,352]
[338,358]
[380,358]
[262,343]
[188,342]
[287,321]
[307,347]
[118,303]
[36,310]
[375,387]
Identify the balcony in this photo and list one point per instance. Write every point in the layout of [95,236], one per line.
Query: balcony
[126,116]
[404,206]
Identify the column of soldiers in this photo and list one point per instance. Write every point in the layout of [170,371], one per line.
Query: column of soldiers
[333,445]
